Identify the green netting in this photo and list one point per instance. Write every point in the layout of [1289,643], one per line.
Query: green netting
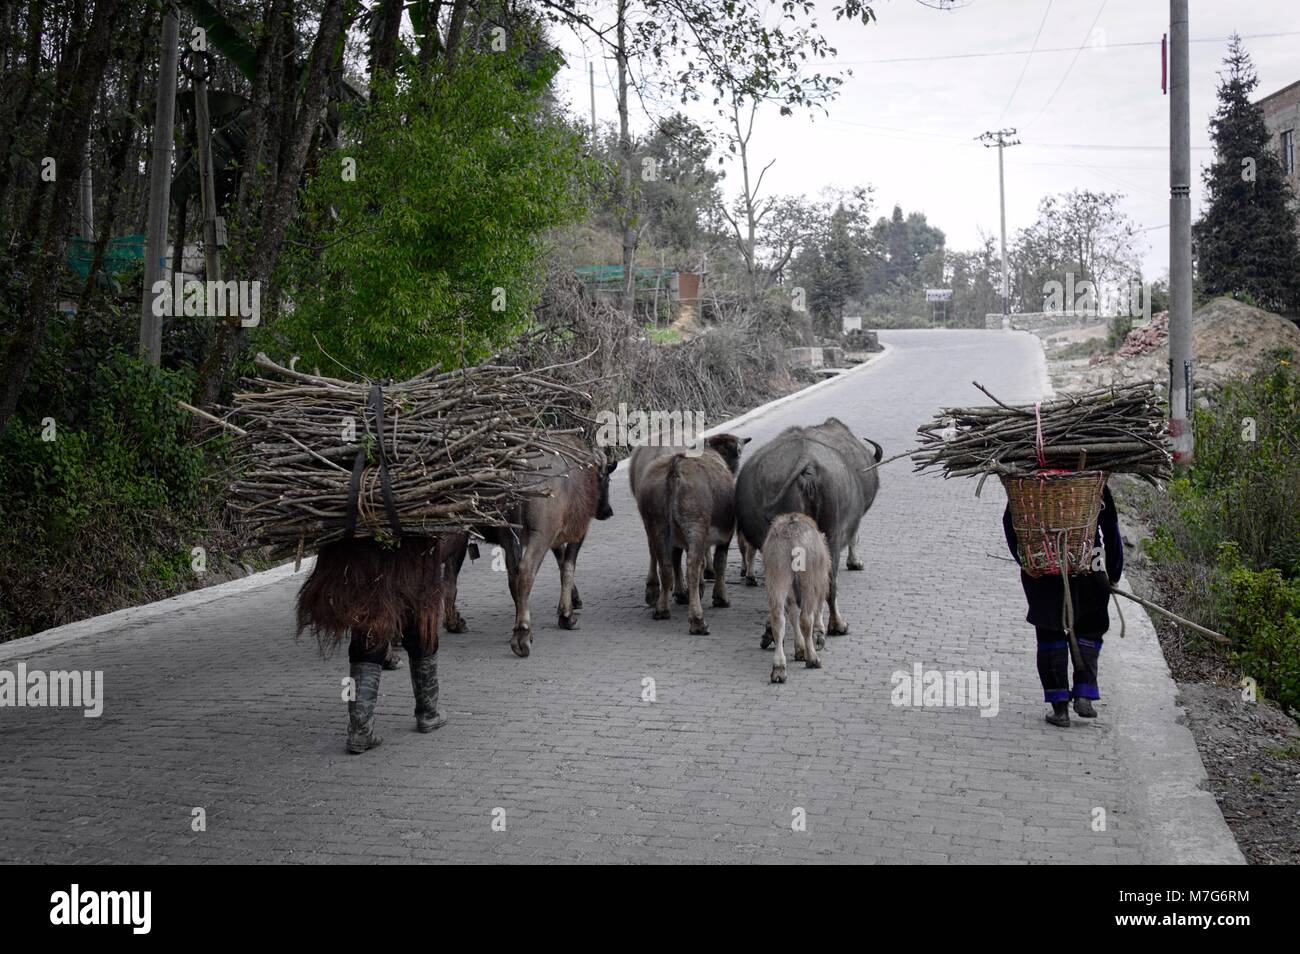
[611,276]
[122,253]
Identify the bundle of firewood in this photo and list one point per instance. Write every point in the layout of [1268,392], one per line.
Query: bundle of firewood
[318,458]
[1118,429]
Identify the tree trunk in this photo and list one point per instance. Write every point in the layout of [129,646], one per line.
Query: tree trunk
[625,163]
[454,29]
[431,44]
[266,75]
[117,166]
[280,206]
[24,98]
[383,54]
[66,142]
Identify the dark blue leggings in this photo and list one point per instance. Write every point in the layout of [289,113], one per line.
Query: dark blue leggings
[1054,665]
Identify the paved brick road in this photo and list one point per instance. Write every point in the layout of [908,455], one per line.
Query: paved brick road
[216,706]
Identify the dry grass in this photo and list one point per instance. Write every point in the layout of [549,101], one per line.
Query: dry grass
[729,367]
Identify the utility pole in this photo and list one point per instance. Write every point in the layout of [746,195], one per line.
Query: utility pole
[591,75]
[160,180]
[1001,138]
[1180,238]
[197,67]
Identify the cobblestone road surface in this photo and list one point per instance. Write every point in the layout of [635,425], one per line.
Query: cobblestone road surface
[217,707]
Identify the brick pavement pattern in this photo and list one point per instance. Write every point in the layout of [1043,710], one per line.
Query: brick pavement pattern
[218,707]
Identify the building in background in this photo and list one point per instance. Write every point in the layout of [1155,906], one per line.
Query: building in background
[1282,117]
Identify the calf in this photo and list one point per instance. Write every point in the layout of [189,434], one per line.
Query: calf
[797,566]
[687,504]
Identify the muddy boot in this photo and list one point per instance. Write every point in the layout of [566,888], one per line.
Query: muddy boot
[424,683]
[1060,715]
[361,712]
[1084,709]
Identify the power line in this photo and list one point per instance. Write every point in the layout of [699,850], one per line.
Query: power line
[1024,69]
[1055,49]
[910,135]
[1069,68]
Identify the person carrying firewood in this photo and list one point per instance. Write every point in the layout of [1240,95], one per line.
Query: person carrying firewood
[1090,595]
[379,595]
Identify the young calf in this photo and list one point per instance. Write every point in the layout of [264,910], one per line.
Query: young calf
[687,503]
[797,565]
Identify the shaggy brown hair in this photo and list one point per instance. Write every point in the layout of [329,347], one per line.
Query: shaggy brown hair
[374,590]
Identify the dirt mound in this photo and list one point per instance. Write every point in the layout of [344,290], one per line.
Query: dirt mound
[1229,339]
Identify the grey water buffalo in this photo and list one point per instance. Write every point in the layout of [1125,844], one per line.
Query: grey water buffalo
[577,488]
[798,570]
[687,504]
[643,456]
[809,470]
[835,433]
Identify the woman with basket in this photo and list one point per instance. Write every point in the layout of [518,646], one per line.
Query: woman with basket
[1087,612]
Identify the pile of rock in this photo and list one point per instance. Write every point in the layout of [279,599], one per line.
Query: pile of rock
[1150,336]
[1229,339]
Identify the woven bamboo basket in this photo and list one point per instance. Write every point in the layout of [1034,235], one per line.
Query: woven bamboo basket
[1054,516]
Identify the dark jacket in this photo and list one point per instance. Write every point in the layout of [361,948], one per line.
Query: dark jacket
[1090,591]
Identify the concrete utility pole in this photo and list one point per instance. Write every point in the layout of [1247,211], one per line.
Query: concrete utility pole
[1001,138]
[160,180]
[1180,238]
[591,75]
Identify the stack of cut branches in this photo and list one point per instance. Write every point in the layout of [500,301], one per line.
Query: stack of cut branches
[1117,429]
[448,452]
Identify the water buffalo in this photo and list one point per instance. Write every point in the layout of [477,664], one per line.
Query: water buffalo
[835,433]
[577,492]
[798,567]
[808,470]
[687,503]
[643,456]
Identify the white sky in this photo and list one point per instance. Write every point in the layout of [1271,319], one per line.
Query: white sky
[907,127]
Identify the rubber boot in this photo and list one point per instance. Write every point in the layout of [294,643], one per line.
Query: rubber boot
[424,683]
[1084,709]
[361,711]
[1060,715]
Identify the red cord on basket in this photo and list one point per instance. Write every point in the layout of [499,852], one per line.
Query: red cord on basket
[1038,418]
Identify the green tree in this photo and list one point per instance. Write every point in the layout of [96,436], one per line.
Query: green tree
[1246,237]
[1081,233]
[432,255]
[832,262]
[901,243]
[678,184]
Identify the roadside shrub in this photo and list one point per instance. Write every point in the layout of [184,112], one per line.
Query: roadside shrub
[1226,539]
[1262,610]
[104,487]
